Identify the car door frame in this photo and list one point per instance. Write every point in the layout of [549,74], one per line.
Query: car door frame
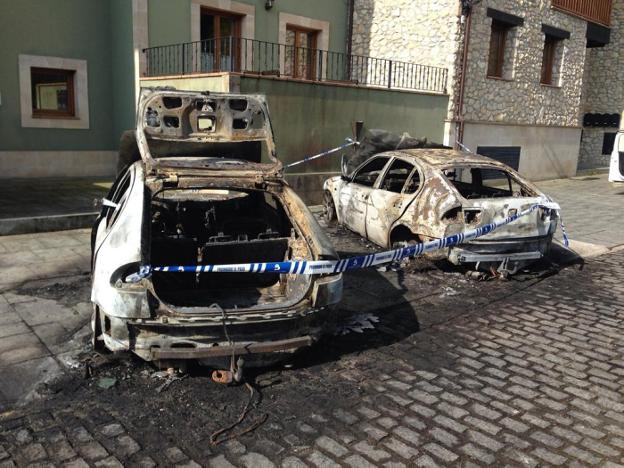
[401,202]
[358,194]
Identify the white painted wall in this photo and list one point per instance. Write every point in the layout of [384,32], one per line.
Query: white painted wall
[547,152]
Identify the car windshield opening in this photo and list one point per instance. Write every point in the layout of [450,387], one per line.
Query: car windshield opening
[485,182]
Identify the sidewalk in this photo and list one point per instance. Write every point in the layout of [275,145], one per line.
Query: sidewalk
[591,207]
[50,204]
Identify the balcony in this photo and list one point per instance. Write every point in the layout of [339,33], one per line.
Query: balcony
[596,11]
[260,58]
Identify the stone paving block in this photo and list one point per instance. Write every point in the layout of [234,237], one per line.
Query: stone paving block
[440,452]
[17,379]
[16,328]
[371,452]
[175,455]
[316,458]
[62,451]
[356,461]
[111,430]
[293,462]
[78,463]
[127,446]
[110,462]
[20,348]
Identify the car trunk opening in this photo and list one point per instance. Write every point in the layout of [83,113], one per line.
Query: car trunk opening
[222,226]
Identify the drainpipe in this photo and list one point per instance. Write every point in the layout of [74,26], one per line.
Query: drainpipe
[466,10]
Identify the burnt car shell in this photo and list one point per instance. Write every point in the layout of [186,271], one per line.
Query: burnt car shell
[442,192]
[207,190]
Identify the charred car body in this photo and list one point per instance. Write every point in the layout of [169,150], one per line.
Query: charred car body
[417,195]
[207,190]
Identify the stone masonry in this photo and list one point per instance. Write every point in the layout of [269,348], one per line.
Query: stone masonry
[431,32]
[520,98]
[603,90]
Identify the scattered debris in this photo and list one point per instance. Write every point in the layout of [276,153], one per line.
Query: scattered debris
[357,324]
[169,381]
[106,382]
[214,438]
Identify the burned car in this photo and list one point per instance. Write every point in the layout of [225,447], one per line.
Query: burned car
[207,190]
[418,195]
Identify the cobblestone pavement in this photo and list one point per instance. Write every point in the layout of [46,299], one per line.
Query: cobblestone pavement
[526,372]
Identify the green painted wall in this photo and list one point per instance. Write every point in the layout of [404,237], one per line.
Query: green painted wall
[170,20]
[72,29]
[122,68]
[308,118]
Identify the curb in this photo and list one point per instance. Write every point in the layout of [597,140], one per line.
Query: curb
[29,225]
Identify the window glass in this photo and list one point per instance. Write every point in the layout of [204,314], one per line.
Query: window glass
[368,175]
[397,175]
[52,91]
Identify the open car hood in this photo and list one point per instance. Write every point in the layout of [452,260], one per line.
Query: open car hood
[182,131]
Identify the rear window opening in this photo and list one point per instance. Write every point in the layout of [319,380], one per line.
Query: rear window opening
[484,182]
[222,226]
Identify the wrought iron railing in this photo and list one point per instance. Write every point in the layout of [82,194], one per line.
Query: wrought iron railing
[597,11]
[250,56]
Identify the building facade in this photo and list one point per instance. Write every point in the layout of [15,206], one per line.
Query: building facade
[71,69]
[523,73]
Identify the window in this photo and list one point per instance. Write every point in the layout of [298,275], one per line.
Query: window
[368,174]
[52,92]
[301,44]
[397,175]
[549,60]
[498,44]
[477,182]
[220,34]
[413,184]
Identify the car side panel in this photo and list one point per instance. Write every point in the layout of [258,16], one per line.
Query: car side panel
[119,245]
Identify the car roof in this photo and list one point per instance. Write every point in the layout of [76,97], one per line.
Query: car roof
[445,157]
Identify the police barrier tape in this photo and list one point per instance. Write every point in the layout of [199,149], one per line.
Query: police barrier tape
[349,142]
[317,267]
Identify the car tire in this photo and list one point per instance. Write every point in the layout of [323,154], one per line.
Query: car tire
[329,209]
[96,330]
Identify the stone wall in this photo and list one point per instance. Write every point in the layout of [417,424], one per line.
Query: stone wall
[603,90]
[522,99]
[424,31]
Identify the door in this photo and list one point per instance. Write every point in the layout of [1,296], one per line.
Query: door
[301,54]
[388,202]
[221,42]
[354,194]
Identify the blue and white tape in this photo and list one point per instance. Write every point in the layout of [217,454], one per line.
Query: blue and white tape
[349,142]
[318,267]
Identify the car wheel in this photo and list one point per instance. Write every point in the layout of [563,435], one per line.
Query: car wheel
[329,209]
